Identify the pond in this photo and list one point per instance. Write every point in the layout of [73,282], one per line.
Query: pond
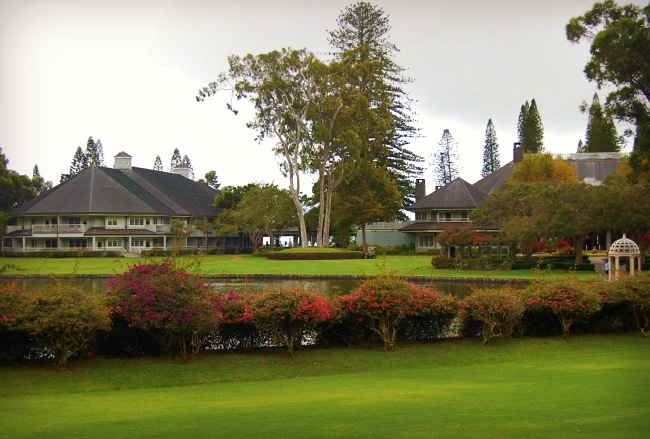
[336,286]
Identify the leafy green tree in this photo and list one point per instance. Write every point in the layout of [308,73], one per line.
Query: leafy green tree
[601,133]
[94,153]
[281,89]
[79,163]
[521,122]
[572,212]
[157,164]
[522,208]
[211,180]
[445,159]
[620,43]
[187,163]
[262,210]
[15,189]
[176,160]
[368,196]
[363,29]
[626,204]
[532,134]
[38,182]
[491,160]
[229,196]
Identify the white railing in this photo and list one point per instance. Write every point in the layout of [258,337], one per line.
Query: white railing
[61,229]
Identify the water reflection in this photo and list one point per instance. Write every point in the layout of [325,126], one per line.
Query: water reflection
[329,286]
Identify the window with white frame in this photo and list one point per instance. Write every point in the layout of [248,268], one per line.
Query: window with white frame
[427,240]
[114,243]
[421,215]
[463,216]
[137,242]
[136,221]
[447,216]
[111,222]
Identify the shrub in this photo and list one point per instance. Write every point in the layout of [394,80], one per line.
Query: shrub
[233,331]
[635,292]
[382,303]
[63,319]
[499,310]
[174,306]
[570,300]
[284,314]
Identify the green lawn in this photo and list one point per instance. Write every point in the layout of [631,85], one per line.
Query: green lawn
[248,264]
[588,386]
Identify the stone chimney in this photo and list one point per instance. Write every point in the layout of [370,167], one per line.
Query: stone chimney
[122,161]
[517,152]
[420,189]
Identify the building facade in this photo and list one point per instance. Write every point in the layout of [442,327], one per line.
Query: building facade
[122,209]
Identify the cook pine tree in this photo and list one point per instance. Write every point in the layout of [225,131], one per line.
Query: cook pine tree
[491,159]
[445,160]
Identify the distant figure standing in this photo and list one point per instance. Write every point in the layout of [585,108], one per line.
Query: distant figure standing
[607,267]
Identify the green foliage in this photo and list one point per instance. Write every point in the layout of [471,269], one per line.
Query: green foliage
[620,43]
[601,135]
[363,30]
[285,314]
[382,303]
[499,310]
[61,318]
[569,299]
[529,128]
[491,160]
[175,306]
[264,209]
[635,293]
[93,155]
[445,159]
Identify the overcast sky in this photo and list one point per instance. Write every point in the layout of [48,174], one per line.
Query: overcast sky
[127,72]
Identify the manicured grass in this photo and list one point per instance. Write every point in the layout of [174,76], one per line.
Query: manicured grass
[248,264]
[587,386]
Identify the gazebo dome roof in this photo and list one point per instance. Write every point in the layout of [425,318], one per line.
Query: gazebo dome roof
[624,247]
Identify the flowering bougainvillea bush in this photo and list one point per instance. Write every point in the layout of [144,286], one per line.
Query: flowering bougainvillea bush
[499,310]
[15,343]
[233,331]
[176,307]
[285,314]
[634,293]
[568,299]
[384,302]
[61,318]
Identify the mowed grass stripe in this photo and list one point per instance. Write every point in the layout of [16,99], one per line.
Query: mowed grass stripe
[588,386]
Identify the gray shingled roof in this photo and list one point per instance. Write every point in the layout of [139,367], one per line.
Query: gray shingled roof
[99,190]
[594,169]
[493,181]
[458,194]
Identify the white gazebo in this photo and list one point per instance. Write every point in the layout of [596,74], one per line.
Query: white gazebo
[623,248]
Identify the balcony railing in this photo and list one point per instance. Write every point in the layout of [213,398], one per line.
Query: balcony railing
[62,229]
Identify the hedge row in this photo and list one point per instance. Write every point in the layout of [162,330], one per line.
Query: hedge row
[161,307]
[297,256]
